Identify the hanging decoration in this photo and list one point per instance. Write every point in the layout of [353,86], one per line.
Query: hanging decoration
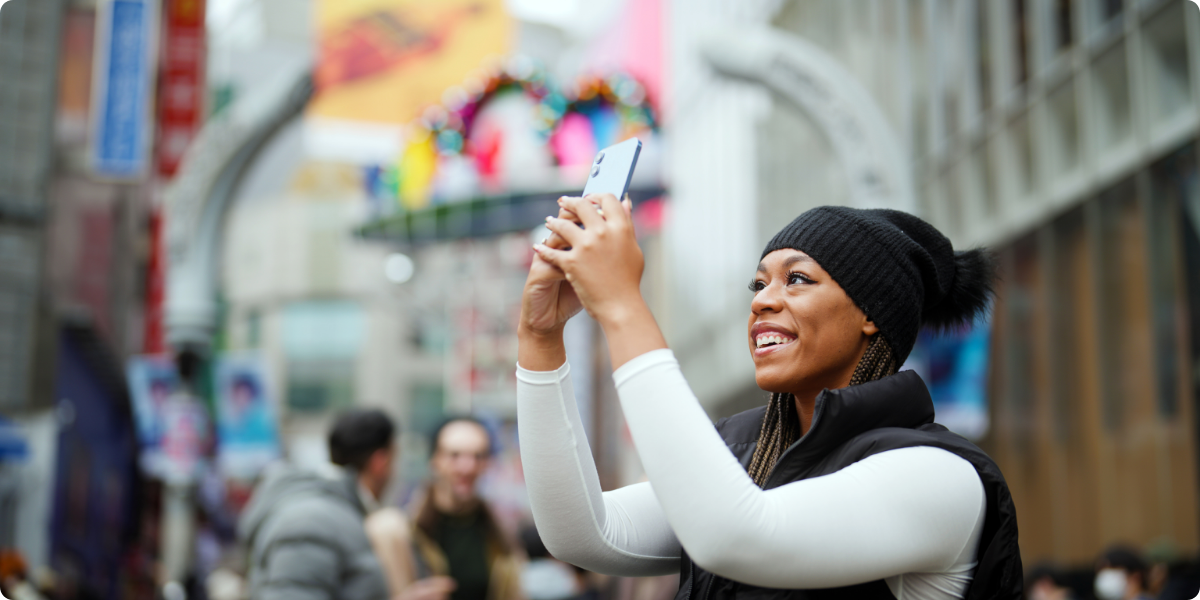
[455,152]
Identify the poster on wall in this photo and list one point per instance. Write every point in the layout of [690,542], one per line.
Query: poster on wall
[247,434]
[954,365]
[152,382]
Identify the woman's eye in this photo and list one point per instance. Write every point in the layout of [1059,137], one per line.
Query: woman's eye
[757,286]
[794,278]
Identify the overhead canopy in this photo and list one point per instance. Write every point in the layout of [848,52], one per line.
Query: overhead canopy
[479,217]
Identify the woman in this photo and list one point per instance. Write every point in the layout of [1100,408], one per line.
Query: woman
[841,487]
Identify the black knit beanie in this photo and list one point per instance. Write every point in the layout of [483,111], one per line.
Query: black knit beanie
[898,269]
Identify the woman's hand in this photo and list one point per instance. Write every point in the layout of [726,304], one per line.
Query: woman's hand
[603,266]
[548,300]
[604,263]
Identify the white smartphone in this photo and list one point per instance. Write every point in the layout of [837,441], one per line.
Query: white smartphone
[613,168]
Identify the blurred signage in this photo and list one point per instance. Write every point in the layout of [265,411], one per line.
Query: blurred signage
[387,60]
[153,380]
[123,81]
[181,102]
[13,447]
[185,429]
[247,435]
[954,364]
[154,333]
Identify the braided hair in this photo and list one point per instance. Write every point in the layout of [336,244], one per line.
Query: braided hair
[781,424]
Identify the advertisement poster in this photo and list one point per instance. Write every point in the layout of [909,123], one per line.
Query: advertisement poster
[954,365]
[385,61]
[152,382]
[185,440]
[247,435]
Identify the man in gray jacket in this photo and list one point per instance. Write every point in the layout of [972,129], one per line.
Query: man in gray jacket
[303,529]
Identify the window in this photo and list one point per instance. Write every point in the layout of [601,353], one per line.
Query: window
[1063,129]
[1070,286]
[321,342]
[1063,36]
[1120,244]
[1167,52]
[983,55]
[1111,91]
[1021,29]
[1172,184]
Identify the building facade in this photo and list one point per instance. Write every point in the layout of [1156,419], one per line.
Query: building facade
[1060,133]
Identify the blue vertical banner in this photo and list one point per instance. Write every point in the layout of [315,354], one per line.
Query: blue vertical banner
[247,417]
[123,88]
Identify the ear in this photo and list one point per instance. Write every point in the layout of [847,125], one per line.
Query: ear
[869,328]
[378,462]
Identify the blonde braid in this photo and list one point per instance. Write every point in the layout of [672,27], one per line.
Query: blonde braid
[781,425]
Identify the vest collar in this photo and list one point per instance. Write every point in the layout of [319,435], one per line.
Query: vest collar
[899,400]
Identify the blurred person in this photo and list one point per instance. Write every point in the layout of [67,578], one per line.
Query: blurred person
[1046,582]
[545,577]
[842,483]
[453,533]
[303,529]
[1121,574]
[14,577]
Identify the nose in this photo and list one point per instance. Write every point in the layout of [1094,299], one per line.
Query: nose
[767,300]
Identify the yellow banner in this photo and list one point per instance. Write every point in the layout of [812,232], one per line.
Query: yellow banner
[387,60]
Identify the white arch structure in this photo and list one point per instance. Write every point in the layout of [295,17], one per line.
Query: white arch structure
[197,201]
[866,145]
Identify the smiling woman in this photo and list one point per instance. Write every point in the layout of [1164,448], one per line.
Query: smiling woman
[840,487]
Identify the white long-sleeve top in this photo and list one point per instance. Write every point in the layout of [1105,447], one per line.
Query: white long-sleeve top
[911,516]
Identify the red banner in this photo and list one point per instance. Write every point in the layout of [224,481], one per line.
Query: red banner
[181,95]
[153,337]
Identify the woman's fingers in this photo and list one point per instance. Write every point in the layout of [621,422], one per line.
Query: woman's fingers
[584,209]
[556,241]
[567,230]
[614,210]
[552,257]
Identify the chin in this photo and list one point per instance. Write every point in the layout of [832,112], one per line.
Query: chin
[768,383]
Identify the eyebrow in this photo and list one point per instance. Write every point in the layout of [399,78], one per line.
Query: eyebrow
[789,261]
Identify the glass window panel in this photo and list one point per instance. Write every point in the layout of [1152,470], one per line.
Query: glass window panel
[1063,22]
[1120,253]
[1064,129]
[1069,286]
[1111,85]
[1021,28]
[1022,303]
[983,55]
[319,385]
[1168,63]
[323,329]
[1173,184]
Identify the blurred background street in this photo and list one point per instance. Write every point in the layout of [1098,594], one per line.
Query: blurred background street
[224,221]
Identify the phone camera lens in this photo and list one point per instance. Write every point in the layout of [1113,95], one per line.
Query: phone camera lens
[595,171]
[600,158]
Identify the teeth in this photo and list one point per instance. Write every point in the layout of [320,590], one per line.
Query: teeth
[768,339]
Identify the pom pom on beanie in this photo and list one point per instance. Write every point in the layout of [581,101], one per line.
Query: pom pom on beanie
[901,271]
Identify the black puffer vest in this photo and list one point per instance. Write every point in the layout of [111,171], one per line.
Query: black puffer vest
[849,425]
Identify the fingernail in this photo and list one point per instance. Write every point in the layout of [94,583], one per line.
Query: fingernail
[538,247]
[549,219]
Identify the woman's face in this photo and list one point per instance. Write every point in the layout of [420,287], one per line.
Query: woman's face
[805,333]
